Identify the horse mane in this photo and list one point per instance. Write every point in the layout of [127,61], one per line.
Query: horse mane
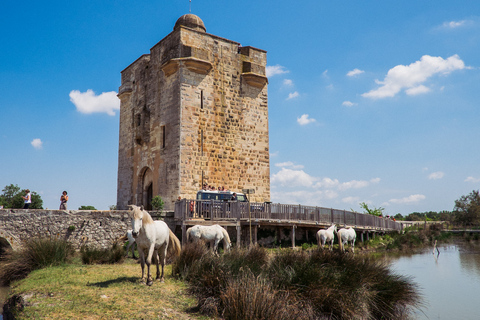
[147,218]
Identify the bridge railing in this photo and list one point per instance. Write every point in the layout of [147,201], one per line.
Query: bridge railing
[234,210]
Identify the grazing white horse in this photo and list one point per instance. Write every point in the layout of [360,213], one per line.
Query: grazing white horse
[154,237]
[346,235]
[212,234]
[327,235]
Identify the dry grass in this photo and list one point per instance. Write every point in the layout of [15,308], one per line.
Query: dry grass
[102,292]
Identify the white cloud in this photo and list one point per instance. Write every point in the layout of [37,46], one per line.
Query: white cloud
[436,175]
[293,95]
[37,144]
[289,164]
[472,179]
[354,72]
[414,198]
[291,178]
[351,200]
[304,120]
[411,77]
[325,74]
[288,82]
[88,102]
[348,103]
[356,184]
[454,24]
[417,90]
[274,70]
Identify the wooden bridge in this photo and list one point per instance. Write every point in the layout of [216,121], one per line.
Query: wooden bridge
[252,216]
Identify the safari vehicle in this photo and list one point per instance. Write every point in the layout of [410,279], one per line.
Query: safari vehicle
[209,200]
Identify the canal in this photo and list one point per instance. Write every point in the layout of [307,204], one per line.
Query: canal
[449,281]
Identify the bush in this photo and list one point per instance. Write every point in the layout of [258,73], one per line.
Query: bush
[36,254]
[296,284]
[102,256]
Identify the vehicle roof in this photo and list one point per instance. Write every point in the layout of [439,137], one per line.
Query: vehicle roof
[216,191]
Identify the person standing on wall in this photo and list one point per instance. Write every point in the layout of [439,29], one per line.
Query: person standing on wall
[63,201]
[27,198]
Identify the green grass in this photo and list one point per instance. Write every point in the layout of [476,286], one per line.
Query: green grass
[78,291]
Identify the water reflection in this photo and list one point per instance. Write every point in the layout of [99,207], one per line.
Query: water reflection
[449,282]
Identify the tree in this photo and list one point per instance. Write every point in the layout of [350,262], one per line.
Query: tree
[467,209]
[87,208]
[375,211]
[112,207]
[12,198]
[158,203]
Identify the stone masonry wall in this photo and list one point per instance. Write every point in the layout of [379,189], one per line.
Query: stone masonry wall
[93,228]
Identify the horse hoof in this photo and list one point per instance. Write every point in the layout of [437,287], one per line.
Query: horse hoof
[149,283]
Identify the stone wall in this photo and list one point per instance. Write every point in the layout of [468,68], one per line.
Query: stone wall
[93,228]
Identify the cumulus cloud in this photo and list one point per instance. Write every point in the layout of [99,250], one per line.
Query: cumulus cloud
[289,164]
[472,179]
[88,102]
[348,104]
[288,82]
[412,199]
[37,144]
[304,120]
[293,95]
[351,200]
[292,178]
[413,76]
[354,72]
[436,175]
[275,70]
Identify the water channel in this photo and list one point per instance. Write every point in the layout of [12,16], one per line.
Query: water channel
[449,281]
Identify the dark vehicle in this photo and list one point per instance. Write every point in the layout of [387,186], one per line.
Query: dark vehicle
[208,201]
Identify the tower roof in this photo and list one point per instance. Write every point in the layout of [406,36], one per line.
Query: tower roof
[190,21]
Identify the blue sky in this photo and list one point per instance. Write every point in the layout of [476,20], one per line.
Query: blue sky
[369,101]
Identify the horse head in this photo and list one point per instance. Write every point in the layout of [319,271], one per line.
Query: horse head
[137,219]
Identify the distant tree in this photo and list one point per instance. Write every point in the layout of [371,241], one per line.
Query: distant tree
[373,211]
[87,208]
[467,209]
[12,198]
[415,216]
[112,207]
[398,217]
[158,203]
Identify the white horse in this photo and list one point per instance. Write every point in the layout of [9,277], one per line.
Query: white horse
[346,235]
[156,238]
[327,235]
[212,234]
[131,242]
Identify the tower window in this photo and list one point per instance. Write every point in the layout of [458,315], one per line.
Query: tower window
[163,136]
[201,99]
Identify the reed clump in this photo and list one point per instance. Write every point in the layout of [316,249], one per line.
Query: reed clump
[90,255]
[36,253]
[254,283]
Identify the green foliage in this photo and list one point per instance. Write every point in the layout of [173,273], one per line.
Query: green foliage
[467,209]
[12,198]
[296,284]
[112,207]
[87,208]
[399,217]
[102,256]
[158,203]
[373,211]
[36,254]
[71,228]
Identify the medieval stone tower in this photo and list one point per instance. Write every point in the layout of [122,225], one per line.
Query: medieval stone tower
[193,111]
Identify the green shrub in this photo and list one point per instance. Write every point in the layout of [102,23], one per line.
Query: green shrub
[36,254]
[102,256]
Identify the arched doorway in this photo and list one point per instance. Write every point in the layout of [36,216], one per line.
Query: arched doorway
[147,189]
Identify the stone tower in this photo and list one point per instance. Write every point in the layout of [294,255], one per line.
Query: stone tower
[193,111]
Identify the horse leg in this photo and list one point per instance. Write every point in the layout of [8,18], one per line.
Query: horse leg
[141,254]
[163,257]
[151,251]
[215,247]
[133,250]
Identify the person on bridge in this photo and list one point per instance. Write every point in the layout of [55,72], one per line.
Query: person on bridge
[63,200]
[28,199]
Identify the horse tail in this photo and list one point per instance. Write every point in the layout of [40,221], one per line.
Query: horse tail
[174,246]
[340,241]
[188,233]
[123,238]
[226,239]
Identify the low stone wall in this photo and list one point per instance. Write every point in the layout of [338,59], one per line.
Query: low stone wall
[80,227]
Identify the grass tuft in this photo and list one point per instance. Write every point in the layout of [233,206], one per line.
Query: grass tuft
[102,256]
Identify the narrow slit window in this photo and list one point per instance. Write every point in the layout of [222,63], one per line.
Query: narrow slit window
[163,136]
[201,99]
[201,142]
